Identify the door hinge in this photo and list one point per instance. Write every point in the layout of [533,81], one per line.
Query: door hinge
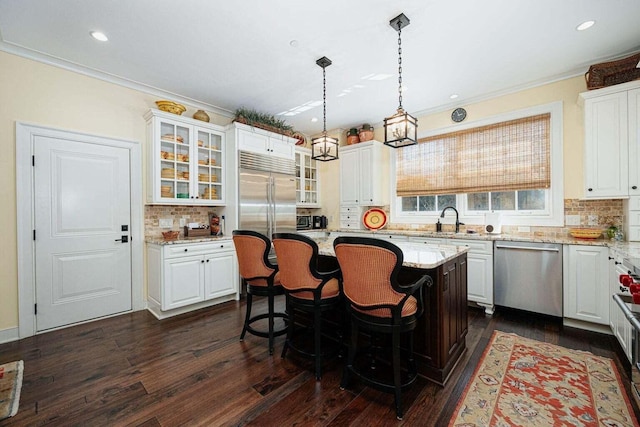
[34,234]
[35,308]
[33,160]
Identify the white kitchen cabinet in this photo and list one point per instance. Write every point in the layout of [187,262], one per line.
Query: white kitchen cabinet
[620,326]
[611,153]
[586,283]
[351,218]
[186,161]
[479,268]
[185,277]
[360,174]
[307,179]
[479,272]
[264,142]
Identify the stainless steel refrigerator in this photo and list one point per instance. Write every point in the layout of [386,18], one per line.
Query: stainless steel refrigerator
[267,193]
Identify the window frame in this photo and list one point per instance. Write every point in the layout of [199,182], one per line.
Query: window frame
[554,214]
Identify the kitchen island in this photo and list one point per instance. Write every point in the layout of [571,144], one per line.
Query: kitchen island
[439,337]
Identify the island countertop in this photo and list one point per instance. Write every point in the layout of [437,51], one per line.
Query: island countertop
[416,255]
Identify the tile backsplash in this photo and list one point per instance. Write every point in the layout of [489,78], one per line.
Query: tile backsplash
[154,213]
[591,213]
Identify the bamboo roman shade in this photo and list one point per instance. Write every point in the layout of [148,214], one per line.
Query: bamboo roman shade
[513,155]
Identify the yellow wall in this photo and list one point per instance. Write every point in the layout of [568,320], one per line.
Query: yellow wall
[45,95]
[566,91]
[49,96]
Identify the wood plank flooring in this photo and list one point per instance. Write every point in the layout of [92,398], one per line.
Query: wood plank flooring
[191,370]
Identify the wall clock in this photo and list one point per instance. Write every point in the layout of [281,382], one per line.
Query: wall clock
[459,114]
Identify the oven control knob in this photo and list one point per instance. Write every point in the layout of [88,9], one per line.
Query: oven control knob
[634,288]
[636,298]
[625,280]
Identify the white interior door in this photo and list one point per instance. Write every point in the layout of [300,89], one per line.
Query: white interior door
[82,212]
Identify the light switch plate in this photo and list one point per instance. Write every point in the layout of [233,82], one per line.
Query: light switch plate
[572,219]
[166,223]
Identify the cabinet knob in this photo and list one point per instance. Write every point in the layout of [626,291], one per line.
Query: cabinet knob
[617,263]
[202,261]
[589,189]
[634,187]
[186,250]
[222,246]
[610,258]
[207,260]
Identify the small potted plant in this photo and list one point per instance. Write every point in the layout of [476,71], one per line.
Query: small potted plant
[352,136]
[366,132]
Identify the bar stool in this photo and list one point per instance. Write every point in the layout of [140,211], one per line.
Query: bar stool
[261,279]
[306,289]
[377,303]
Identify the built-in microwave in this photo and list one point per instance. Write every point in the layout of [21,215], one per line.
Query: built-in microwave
[303,222]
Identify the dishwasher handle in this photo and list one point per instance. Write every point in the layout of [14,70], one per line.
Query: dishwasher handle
[529,248]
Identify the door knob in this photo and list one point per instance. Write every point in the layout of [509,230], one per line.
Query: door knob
[124,239]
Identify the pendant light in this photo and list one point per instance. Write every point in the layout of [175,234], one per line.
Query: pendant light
[324,148]
[401,129]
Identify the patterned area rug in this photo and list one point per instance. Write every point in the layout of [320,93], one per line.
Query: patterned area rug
[10,385]
[523,382]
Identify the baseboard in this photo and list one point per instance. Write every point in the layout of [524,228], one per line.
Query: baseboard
[594,327]
[8,335]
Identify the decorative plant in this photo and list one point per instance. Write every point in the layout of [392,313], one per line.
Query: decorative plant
[255,118]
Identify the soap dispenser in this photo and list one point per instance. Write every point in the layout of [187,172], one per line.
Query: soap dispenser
[438,226]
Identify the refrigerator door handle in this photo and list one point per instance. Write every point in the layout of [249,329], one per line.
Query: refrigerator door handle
[269,203]
[272,204]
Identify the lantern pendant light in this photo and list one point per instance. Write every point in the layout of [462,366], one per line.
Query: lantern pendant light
[324,148]
[401,129]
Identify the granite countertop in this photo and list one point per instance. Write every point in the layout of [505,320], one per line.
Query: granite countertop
[185,240]
[483,236]
[416,255]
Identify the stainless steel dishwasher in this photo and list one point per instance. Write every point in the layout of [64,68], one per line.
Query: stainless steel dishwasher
[528,276]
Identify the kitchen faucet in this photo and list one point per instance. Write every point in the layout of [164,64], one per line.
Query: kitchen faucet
[458,223]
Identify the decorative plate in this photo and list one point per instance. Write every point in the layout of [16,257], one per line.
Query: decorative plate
[374,219]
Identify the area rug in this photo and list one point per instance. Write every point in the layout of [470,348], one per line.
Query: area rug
[523,382]
[10,386]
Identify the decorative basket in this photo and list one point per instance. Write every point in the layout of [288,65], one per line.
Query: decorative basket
[170,235]
[196,232]
[613,72]
[585,233]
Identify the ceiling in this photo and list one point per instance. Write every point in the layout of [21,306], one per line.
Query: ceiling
[262,54]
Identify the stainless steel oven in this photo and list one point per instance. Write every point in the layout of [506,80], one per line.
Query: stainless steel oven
[628,299]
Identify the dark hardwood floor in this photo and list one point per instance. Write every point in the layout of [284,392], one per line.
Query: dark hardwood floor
[192,370]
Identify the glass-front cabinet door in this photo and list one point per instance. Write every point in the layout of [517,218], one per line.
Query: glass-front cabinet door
[186,161]
[307,182]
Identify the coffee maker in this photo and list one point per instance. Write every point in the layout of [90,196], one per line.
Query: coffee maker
[319,221]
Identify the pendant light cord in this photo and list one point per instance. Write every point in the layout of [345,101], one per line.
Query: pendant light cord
[324,100]
[399,65]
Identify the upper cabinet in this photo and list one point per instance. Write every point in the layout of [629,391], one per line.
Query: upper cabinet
[307,179]
[264,142]
[611,118]
[186,161]
[360,174]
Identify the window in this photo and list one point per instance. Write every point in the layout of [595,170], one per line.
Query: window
[510,164]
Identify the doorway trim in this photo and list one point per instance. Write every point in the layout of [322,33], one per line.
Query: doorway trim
[25,205]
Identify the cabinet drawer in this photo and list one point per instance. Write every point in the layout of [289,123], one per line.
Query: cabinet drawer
[634,203]
[172,251]
[354,210]
[349,217]
[428,240]
[351,225]
[474,245]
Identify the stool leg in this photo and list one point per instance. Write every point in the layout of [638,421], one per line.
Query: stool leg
[396,372]
[289,327]
[247,316]
[271,310]
[317,338]
[351,355]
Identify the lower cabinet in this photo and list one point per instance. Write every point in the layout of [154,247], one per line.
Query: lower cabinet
[185,277]
[440,338]
[479,268]
[586,283]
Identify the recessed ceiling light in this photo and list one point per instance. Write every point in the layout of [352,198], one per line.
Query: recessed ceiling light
[99,36]
[585,25]
[293,43]
[453,96]
[315,119]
